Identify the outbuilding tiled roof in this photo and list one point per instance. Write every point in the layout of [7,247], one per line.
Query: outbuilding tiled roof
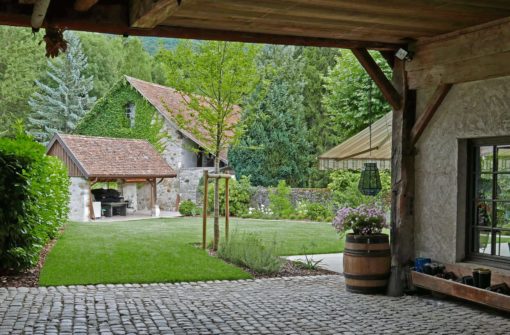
[170,103]
[105,157]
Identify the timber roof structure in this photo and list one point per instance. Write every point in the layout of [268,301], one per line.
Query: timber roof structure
[171,104]
[372,24]
[106,158]
[371,144]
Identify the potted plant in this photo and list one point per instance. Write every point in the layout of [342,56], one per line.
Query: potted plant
[367,251]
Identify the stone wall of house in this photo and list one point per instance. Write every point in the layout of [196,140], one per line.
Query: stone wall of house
[130,193]
[179,155]
[470,110]
[189,180]
[168,191]
[79,209]
[143,196]
[318,195]
[173,146]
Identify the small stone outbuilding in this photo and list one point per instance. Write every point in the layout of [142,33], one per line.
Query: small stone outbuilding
[133,164]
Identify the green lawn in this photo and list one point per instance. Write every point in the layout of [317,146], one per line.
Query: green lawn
[161,250]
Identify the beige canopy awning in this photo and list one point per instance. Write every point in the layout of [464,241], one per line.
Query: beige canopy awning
[358,149]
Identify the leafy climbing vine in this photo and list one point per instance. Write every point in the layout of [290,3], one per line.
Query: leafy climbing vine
[108,117]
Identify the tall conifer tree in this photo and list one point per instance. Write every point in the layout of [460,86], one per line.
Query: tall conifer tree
[63,96]
[274,146]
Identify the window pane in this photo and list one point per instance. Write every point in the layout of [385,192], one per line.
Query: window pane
[483,241]
[486,158]
[503,188]
[503,215]
[484,186]
[503,243]
[504,158]
[483,214]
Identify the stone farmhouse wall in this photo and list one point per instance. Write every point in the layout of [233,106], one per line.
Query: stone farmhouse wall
[179,155]
[470,110]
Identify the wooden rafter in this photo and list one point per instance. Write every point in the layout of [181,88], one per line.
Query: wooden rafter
[150,13]
[432,106]
[389,56]
[374,71]
[84,5]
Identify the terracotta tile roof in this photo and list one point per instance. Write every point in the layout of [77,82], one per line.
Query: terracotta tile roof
[170,103]
[105,157]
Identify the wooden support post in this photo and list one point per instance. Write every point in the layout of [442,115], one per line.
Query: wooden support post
[91,205]
[152,182]
[431,108]
[155,196]
[204,210]
[227,209]
[402,179]
[91,201]
[389,92]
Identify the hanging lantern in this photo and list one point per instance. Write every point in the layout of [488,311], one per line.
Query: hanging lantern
[370,181]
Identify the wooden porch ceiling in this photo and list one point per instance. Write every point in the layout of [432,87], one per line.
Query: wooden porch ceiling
[375,24]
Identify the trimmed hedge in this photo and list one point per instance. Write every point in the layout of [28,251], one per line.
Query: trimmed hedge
[34,193]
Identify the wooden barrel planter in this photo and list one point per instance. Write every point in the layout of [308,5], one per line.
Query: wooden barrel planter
[367,263]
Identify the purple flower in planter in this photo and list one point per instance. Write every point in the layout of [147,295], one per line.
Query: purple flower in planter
[363,220]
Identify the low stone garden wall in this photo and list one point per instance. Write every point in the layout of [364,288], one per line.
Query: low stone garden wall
[315,195]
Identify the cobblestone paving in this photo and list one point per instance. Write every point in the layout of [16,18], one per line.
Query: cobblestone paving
[299,305]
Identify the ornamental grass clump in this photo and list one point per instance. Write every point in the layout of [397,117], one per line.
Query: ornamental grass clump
[362,220]
[248,250]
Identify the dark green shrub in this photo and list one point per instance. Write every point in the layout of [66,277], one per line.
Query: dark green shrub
[34,192]
[248,249]
[239,196]
[317,212]
[279,200]
[188,208]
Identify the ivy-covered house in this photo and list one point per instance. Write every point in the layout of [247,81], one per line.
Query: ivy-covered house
[138,109]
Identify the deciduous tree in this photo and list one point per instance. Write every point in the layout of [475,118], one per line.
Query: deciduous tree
[347,95]
[216,76]
[21,63]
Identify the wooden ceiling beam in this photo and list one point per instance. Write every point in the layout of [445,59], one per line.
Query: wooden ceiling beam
[150,13]
[374,71]
[352,12]
[295,29]
[113,24]
[439,10]
[248,37]
[431,108]
[334,22]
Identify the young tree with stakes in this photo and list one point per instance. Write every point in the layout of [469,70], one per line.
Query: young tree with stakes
[63,96]
[216,76]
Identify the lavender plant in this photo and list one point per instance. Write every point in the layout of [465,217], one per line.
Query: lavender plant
[363,220]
